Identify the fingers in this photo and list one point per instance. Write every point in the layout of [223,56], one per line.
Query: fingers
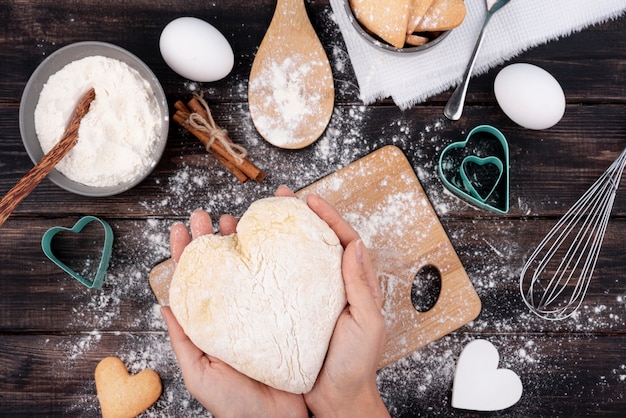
[200,223]
[370,273]
[228,224]
[362,287]
[357,264]
[329,214]
[186,352]
[284,191]
[179,238]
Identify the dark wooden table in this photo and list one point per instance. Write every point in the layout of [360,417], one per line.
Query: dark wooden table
[53,331]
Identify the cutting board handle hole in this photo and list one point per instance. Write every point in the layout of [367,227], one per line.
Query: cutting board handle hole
[426,288]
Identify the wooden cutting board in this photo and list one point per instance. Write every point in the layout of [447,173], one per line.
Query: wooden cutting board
[383,200]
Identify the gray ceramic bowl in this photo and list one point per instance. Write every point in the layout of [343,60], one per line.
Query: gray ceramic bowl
[384,46]
[53,64]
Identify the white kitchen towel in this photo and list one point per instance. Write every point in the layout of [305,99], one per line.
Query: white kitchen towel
[518,26]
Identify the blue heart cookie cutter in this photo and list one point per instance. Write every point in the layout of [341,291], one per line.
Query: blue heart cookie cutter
[467,182]
[96,282]
[496,198]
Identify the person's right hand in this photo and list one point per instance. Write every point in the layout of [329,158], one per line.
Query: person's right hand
[346,385]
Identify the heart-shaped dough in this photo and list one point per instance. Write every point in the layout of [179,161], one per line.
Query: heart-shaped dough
[266,299]
[122,395]
[478,383]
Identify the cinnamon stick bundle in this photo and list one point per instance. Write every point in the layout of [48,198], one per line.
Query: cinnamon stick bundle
[239,165]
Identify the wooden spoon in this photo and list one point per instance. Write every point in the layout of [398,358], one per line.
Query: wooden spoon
[290,91]
[28,183]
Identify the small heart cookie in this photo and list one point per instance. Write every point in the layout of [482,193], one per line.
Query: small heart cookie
[122,395]
[478,383]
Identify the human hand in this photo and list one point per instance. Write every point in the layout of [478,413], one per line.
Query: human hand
[347,381]
[217,386]
[346,385]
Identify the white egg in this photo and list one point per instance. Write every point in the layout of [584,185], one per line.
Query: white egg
[196,50]
[530,96]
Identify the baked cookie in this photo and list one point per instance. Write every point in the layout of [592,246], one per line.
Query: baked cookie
[385,18]
[122,395]
[417,12]
[442,15]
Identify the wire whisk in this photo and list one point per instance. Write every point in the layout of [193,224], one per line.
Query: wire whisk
[555,279]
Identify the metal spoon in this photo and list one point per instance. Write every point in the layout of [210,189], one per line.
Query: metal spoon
[454,107]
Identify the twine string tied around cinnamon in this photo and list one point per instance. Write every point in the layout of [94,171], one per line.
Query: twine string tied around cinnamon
[215,133]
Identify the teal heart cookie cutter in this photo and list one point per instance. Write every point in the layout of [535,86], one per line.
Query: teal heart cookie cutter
[496,196]
[467,182]
[96,282]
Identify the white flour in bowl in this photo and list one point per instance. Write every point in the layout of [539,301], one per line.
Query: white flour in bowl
[117,137]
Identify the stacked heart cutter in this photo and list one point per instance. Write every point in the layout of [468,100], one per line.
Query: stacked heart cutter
[477,169]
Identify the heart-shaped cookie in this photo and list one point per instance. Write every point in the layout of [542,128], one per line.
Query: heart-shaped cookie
[485,147]
[266,299]
[122,395]
[104,256]
[478,383]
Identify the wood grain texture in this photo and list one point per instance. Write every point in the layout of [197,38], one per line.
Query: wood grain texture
[383,199]
[53,331]
[291,50]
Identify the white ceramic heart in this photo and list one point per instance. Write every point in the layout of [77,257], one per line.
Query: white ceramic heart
[478,383]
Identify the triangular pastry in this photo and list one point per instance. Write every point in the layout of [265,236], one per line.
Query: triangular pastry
[417,12]
[442,15]
[384,18]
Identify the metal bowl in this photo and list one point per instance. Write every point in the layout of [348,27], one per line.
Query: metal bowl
[51,65]
[384,46]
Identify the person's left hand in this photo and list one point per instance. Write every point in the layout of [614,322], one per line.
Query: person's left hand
[218,387]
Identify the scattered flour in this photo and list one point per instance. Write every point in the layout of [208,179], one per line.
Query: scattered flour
[418,385]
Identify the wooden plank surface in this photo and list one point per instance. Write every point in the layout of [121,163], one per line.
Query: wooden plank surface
[53,331]
[39,375]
